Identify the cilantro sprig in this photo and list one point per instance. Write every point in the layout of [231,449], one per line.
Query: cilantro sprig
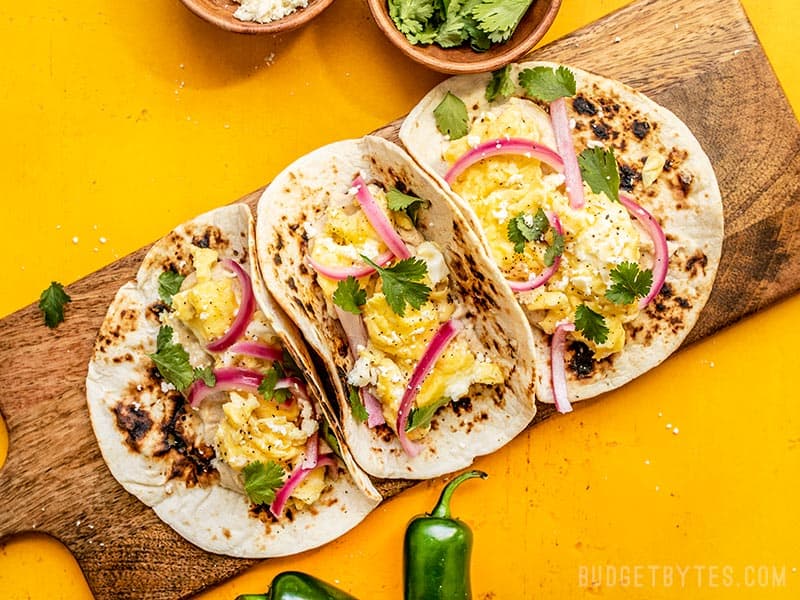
[591,324]
[527,228]
[399,201]
[554,250]
[501,85]
[172,361]
[419,418]
[599,170]
[267,386]
[51,302]
[547,84]
[169,284]
[451,116]
[630,283]
[357,406]
[401,283]
[261,481]
[349,295]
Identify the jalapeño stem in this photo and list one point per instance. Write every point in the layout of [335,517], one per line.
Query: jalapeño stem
[442,508]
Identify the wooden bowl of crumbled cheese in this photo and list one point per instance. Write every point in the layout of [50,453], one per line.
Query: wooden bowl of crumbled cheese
[257,16]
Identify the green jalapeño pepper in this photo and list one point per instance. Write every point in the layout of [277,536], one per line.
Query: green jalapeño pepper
[293,585]
[436,551]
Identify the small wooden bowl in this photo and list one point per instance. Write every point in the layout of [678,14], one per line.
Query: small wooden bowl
[220,13]
[463,59]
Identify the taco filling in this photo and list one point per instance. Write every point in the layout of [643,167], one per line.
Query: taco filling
[555,223]
[391,291]
[264,427]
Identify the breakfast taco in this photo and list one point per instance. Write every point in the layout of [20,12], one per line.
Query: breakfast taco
[207,407]
[598,205]
[425,345]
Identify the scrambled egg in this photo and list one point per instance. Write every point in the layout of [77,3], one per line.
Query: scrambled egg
[252,428]
[598,236]
[209,306]
[396,343]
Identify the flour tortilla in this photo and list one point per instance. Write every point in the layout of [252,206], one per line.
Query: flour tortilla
[161,450]
[685,200]
[292,209]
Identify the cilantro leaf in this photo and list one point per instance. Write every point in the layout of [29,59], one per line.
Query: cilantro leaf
[172,360]
[554,250]
[501,84]
[206,374]
[526,228]
[599,170]
[499,18]
[451,116]
[169,284]
[350,296]
[357,406]
[629,283]
[420,418]
[451,32]
[397,200]
[591,324]
[546,84]
[401,283]
[267,386]
[52,302]
[411,16]
[261,481]
[326,431]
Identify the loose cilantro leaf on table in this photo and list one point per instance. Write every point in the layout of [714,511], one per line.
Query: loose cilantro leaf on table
[397,201]
[261,481]
[357,406]
[401,283]
[501,84]
[169,284]
[350,296]
[172,360]
[554,250]
[547,84]
[419,418]
[527,228]
[451,117]
[267,386]
[630,283]
[52,302]
[599,170]
[499,18]
[591,324]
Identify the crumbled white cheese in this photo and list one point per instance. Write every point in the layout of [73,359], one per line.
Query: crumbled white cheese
[266,11]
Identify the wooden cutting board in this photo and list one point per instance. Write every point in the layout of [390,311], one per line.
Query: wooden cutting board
[700,58]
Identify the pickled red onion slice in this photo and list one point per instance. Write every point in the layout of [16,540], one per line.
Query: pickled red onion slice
[295,479]
[342,273]
[566,149]
[257,350]
[247,306]
[435,348]
[311,452]
[541,279]
[558,375]
[661,252]
[502,146]
[378,219]
[373,407]
[238,379]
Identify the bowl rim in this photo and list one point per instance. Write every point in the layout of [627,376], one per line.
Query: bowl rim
[288,23]
[503,56]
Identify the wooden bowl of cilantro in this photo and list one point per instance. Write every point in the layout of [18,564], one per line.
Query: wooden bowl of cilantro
[464,36]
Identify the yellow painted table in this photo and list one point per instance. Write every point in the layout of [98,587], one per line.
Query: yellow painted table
[122,119]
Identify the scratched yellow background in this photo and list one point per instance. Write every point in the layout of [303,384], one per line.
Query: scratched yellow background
[122,119]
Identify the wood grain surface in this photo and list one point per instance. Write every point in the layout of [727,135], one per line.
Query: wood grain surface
[699,58]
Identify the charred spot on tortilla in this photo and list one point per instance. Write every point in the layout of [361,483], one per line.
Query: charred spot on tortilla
[581,361]
[156,310]
[583,106]
[133,422]
[628,176]
[696,262]
[600,130]
[640,128]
